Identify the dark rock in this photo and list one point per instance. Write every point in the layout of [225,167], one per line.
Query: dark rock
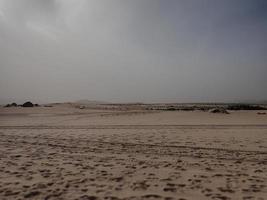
[11,105]
[261,113]
[14,105]
[28,104]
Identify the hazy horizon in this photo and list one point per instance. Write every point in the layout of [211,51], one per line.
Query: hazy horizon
[133,50]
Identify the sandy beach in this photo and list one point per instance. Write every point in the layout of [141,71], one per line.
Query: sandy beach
[133,100]
[67,153]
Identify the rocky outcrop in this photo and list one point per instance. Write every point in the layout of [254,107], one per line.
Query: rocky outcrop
[27,104]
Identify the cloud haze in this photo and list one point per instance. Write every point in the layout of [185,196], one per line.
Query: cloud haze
[133,50]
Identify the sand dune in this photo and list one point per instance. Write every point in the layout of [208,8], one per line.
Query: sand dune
[67,153]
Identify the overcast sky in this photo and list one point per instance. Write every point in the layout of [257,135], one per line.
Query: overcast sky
[133,50]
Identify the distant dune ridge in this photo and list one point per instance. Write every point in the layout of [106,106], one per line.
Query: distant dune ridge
[91,102]
[212,107]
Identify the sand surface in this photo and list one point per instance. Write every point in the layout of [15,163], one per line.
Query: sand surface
[68,153]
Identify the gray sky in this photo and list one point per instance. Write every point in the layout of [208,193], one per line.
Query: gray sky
[133,50]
